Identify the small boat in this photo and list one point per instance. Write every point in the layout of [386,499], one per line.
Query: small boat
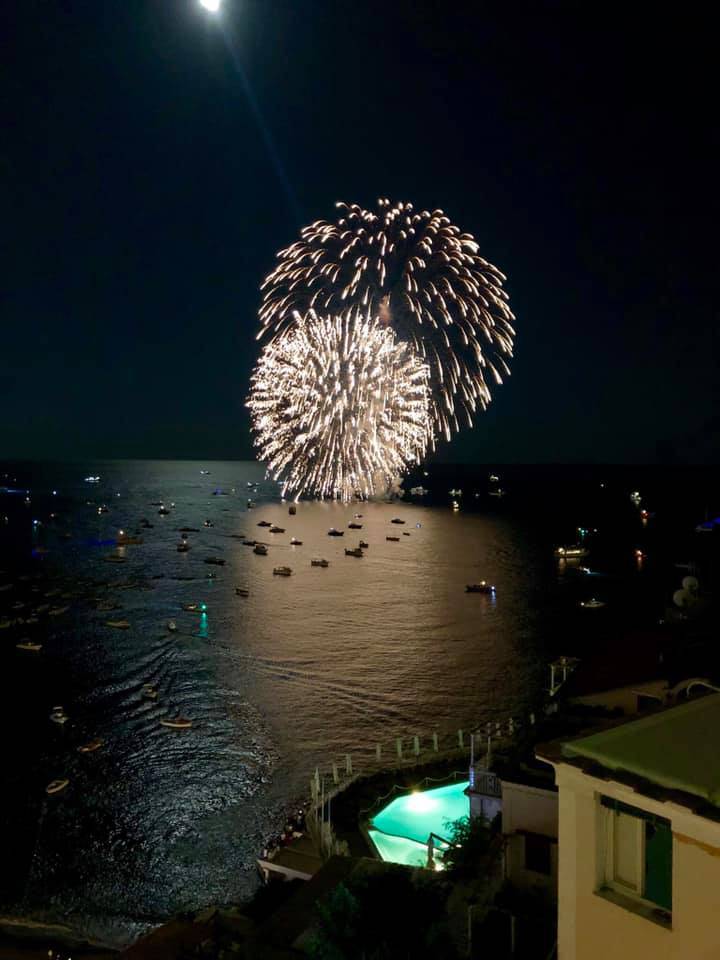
[125,540]
[292,510]
[56,786]
[274,529]
[208,523]
[320,563]
[242,592]
[405,533]
[571,552]
[250,505]
[217,561]
[397,520]
[92,479]
[260,549]
[92,746]
[172,626]
[282,571]
[117,624]
[29,645]
[394,539]
[164,512]
[497,493]
[358,516]
[592,604]
[183,547]
[355,552]
[177,723]
[295,543]
[364,545]
[332,532]
[58,715]
[191,607]
[249,543]
[354,526]
[264,523]
[482,587]
[149,691]
[204,473]
[103,509]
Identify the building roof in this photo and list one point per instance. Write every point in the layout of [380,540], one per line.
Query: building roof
[677,749]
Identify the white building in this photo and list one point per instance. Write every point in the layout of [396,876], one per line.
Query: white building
[639,837]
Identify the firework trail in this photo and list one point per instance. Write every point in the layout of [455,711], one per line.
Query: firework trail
[338,402]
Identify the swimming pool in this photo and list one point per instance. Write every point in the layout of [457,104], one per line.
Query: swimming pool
[400,831]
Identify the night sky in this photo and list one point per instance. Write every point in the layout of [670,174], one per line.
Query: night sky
[142,205]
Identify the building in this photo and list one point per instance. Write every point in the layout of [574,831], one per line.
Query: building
[639,837]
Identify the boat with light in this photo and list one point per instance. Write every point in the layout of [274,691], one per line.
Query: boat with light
[261,549]
[282,571]
[574,551]
[320,563]
[482,587]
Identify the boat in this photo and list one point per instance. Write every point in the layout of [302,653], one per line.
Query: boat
[274,529]
[571,552]
[497,493]
[295,543]
[292,510]
[261,549]
[332,532]
[354,526]
[29,645]
[117,624]
[92,479]
[164,512]
[183,547]
[208,523]
[124,540]
[397,520]
[103,509]
[242,592]
[320,563]
[394,539]
[358,516]
[592,604]
[191,607]
[264,523]
[58,715]
[250,505]
[56,786]
[172,626]
[177,723]
[92,746]
[282,571]
[204,473]
[355,552]
[216,561]
[149,691]
[482,587]
[405,533]
[494,478]
[363,545]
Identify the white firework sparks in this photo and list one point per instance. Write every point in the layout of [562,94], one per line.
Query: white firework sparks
[418,274]
[338,401]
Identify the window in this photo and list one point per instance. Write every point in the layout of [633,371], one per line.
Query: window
[636,853]
[537,853]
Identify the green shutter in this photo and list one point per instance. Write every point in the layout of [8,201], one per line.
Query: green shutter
[658,864]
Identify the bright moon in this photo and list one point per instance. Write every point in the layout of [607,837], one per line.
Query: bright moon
[212,5]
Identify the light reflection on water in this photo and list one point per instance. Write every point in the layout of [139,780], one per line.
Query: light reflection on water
[303,670]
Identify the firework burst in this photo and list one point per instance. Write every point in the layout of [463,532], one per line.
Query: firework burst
[339,404]
[416,273]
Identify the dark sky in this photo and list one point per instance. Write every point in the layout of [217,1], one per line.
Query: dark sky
[141,208]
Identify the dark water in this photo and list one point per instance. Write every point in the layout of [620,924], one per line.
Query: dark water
[297,674]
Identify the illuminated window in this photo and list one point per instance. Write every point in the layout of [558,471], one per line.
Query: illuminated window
[635,853]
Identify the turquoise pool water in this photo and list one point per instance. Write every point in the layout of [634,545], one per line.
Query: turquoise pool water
[400,831]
